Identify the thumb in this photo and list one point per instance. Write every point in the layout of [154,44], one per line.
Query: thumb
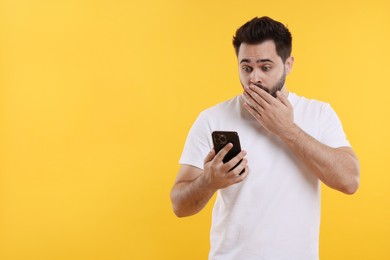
[209,156]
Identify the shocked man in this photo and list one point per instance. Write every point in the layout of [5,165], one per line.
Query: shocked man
[268,195]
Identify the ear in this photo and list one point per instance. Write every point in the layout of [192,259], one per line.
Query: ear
[289,64]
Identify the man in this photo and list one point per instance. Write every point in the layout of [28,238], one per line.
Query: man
[290,144]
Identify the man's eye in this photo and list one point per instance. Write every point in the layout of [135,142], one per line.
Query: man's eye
[266,68]
[247,69]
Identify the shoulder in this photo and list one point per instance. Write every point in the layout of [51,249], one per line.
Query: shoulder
[301,101]
[309,107]
[312,115]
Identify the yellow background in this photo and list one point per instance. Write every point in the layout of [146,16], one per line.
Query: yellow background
[97,98]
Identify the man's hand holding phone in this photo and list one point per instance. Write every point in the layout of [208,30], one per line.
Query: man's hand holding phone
[221,175]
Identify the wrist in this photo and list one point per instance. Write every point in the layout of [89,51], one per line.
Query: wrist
[207,183]
[291,135]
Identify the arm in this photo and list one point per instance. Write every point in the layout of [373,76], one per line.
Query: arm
[336,167]
[194,187]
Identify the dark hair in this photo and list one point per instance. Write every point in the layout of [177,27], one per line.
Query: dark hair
[262,29]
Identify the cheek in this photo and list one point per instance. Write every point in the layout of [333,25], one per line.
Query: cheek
[244,78]
[279,74]
[274,78]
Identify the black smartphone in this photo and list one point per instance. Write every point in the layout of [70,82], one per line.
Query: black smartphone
[222,138]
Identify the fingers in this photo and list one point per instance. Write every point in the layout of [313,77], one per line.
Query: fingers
[262,97]
[253,104]
[283,99]
[235,160]
[253,111]
[221,154]
[221,174]
[209,157]
[239,173]
[236,167]
[239,168]
[258,101]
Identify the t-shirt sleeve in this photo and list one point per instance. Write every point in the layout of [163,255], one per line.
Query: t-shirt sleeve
[198,143]
[333,134]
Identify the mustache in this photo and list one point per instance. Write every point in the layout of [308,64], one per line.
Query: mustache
[262,87]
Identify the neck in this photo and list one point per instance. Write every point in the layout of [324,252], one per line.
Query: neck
[285,91]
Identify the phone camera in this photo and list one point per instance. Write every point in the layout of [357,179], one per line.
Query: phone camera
[220,139]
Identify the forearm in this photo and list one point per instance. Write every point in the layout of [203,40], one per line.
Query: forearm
[190,197]
[336,168]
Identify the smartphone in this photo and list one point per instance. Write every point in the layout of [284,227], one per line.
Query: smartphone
[222,138]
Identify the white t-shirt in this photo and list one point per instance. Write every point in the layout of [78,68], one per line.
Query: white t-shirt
[274,214]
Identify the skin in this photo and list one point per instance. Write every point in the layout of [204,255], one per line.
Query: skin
[262,74]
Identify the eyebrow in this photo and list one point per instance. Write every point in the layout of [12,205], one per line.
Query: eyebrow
[257,61]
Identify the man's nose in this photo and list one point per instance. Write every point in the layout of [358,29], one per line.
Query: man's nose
[256,77]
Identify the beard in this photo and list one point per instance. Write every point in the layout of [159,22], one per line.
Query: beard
[275,88]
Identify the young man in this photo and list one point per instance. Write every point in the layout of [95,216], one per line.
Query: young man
[290,144]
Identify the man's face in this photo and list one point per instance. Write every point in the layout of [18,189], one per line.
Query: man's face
[260,65]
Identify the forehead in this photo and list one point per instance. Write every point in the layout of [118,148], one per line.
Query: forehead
[253,52]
